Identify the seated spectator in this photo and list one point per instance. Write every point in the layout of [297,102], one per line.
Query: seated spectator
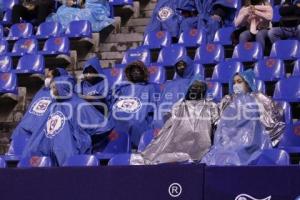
[70,124]
[214,14]
[289,22]
[249,123]
[254,21]
[132,103]
[174,90]
[37,114]
[95,11]
[187,134]
[33,11]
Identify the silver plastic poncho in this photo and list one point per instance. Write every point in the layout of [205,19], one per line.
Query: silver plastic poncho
[187,135]
[248,124]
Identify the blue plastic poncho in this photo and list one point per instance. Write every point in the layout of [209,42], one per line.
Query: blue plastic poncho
[133,107]
[70,124]
[36,114]
[95,11]
[166,15]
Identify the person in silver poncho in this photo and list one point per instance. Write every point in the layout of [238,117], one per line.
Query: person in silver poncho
[187,134]
[250,122]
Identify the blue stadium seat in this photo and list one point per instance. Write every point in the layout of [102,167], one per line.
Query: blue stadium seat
[170,55]
[223,36]
[120,160]
[114,75]
[156,40]
[3,47]
[5,63]
[16,147]
[82,160]
[1,31]
[269,69]
[248,52]
[48,29]
[260,85]
[7,17]
[224,71]
[140,53]
[120,2]
[8,83]
[56,45]
[291,138]
[31,63]
[79,29]
[119,142]
[24,46]
[286,107]
[288,89]
[2,163]
[21,30]
[214,91]
[286,49]
[9,4]
[272,157]
[192,38]
[209,54]
[146,139]
[35,161]
[296,71]
[157,74]
[276,14]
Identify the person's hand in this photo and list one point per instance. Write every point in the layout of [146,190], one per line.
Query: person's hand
[30,6]
[298,5]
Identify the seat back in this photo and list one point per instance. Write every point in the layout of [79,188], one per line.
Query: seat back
[57,45]
[296,71]
[2,163]
[248,52]
[214,91]
[146,139]
[82,160]
[273,157]
[3,47]
[5,63]
[21,30]
[224,71]
[157,74]
[49,29]
[8,83]
[35,161]
[157,39]
[286,49]
[120,159]
[9,4]
[31,63]
[81,28]
[291,137]
[114,75]
[192,38]
[223,36]
[25,46]
[260,86]
[209,54]
[119,142]
[170,55]
[269,69]
[138,54]
[288,89]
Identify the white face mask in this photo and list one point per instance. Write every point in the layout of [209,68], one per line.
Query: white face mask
[47,82]
[238,88]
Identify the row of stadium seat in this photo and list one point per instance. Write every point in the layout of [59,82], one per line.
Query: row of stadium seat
[80,28]
[214,53]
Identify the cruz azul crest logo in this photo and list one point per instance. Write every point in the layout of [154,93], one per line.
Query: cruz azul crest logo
[165,13]
[40,106]
[248,197]
[128,104]
[55,124]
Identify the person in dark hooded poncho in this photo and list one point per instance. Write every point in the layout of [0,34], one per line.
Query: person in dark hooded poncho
[187,134]
[176,89]
[249,123]
[70,124]
[38,110]
[133,102]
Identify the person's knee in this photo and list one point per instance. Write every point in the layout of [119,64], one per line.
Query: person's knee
[244,36]
[272,34]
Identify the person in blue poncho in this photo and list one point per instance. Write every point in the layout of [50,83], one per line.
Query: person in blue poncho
[174,90]
[133,102]
[249,123]
[69,126]
[95,11]
[38,110]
